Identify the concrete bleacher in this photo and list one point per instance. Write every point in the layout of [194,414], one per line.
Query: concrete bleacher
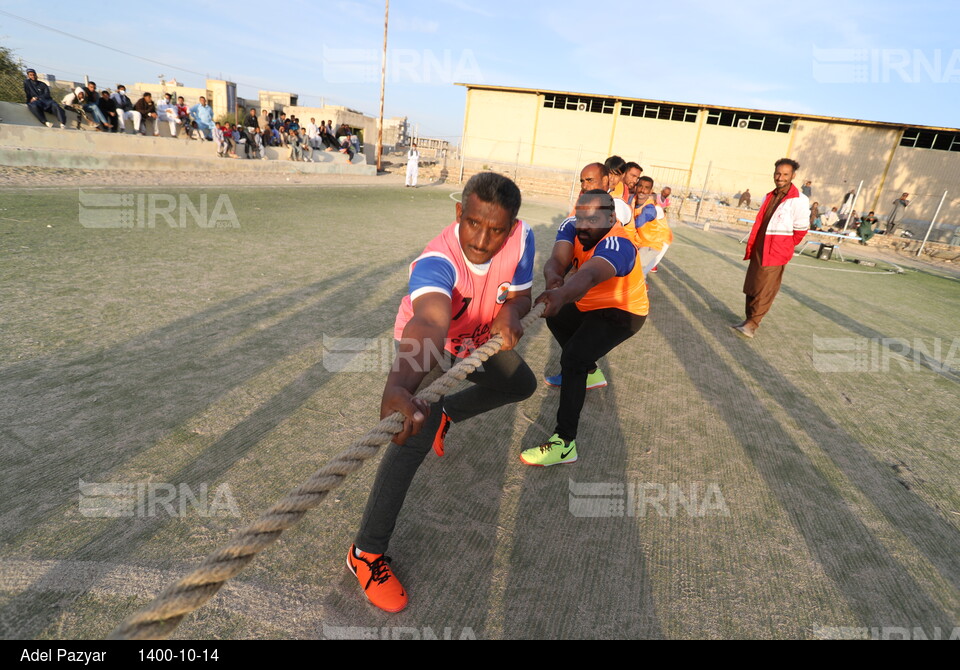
[25,143]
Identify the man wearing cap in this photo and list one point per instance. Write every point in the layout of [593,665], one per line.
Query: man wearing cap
[39,100]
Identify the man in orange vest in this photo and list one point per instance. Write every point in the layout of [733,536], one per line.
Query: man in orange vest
[651,233]
[589,312]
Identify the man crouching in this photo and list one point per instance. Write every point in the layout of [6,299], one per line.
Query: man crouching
[472,282]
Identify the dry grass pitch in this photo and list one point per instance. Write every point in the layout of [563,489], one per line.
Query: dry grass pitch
[786,487]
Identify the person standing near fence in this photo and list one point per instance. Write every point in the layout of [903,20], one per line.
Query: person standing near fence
[663,200]
[896,214]
[413,165]
[781,224]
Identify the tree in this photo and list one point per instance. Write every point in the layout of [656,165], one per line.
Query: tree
[11,77]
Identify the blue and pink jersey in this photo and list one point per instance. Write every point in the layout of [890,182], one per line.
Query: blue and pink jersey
[476,292]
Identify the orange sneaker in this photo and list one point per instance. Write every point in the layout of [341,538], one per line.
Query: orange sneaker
[445,424]
[379,584]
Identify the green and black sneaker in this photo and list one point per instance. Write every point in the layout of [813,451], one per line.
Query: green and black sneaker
[552,452]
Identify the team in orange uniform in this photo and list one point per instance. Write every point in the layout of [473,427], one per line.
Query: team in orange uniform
[650,232]
[596,298]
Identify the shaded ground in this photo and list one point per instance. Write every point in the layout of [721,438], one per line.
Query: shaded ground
[782,488]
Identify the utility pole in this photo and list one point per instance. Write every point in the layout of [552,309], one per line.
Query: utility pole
[383,82]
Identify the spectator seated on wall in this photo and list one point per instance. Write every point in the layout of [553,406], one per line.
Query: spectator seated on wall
[202,115]
[39,100]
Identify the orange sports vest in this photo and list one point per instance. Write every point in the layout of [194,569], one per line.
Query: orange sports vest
[628,293]
[654,234]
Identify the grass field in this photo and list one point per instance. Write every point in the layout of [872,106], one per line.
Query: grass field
[799,485]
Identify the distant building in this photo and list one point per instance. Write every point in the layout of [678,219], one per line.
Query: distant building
[676,143]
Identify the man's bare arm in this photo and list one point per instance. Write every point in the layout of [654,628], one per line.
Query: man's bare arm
[591,273]
[420,347]
[556,267]
[507,322]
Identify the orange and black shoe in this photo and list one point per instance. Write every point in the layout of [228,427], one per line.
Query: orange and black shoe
[445,423]
[379,584]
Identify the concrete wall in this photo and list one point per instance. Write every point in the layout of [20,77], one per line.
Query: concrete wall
[507,130]
[23,142]
[561,133]
[925,174]
[741,158]
[275,101]
[224,97]
[835,157]
[655,142]
[495,120]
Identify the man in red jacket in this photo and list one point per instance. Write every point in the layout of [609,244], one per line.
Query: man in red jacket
[781,224]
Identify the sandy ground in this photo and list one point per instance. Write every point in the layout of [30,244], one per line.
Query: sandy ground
[33,177]
[880,254]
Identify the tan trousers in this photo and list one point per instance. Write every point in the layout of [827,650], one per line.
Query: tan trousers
[760,286]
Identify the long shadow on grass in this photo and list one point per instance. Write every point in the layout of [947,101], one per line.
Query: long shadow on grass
[879,589]
[91,414]
[578,576]
[447,535]
[841,319]
[133,385]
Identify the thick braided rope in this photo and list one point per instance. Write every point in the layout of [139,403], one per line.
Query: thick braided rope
[161,617]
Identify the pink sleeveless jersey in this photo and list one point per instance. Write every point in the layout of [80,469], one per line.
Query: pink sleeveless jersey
[478,293]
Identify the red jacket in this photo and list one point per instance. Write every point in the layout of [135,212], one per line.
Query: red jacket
[787,227]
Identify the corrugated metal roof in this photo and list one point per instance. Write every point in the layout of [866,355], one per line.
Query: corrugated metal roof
[812,117]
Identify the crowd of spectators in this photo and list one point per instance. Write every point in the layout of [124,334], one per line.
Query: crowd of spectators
[110,112]
[286,132]
[114,112]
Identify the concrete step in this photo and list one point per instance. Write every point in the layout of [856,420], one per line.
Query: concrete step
[27,157]
[30,144]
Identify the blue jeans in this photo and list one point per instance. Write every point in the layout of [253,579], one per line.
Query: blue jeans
[94,111]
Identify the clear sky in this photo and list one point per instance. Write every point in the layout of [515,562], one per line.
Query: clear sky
[875,60]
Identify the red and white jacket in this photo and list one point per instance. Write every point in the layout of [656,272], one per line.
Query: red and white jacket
[787,227]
